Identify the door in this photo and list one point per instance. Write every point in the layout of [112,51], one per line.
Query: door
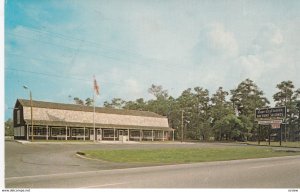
[121,133]
[91,134]
[99,135]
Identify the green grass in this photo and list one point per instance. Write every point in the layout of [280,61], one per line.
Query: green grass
[186,155]
[276,144]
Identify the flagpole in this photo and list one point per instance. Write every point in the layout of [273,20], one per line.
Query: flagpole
[95,88]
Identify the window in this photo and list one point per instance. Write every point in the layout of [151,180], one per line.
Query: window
[79,132]
[59,131]
[135,133]
[18,117]
[39,131]
[147,133]
[108,133]
[42,131]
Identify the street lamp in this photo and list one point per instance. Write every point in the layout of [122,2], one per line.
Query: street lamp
[31,116]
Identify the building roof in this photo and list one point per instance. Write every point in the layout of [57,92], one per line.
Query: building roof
[60,114]
[74,107]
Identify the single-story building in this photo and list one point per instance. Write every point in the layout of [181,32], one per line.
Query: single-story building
[57,121]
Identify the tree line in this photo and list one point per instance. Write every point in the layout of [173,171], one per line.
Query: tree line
[225,115]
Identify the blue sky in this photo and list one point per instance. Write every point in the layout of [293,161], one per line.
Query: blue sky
[56,46]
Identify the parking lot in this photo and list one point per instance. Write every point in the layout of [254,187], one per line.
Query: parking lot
[50,158]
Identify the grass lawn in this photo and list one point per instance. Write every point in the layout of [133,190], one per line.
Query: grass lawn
[184,155]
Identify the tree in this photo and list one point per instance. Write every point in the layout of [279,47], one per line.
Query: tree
[158,92]
[138,104]
[245,99]
[78,101]
[195,104]
[230,127]
[116,103]
[161,104]
[286,96]
[219,109]
[89,101]
[9,130]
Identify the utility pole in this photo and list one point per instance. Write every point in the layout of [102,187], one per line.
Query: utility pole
[258,134]
[280,134]
[181,126]
[31,116]
[31,113]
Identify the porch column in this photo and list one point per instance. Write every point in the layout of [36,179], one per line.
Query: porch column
[128,134]
[114,134]
[163,135]
[173,135]
[152,134]
[84,133]
[140,135]
[100,134]
[27,132]
[47,132]
[66,133]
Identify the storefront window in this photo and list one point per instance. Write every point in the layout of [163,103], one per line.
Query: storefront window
[57,131]
[108,133]
[78,132]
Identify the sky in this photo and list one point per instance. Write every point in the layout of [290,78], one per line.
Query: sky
[55,47]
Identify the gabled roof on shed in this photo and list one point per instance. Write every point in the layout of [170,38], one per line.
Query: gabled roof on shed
[74,107]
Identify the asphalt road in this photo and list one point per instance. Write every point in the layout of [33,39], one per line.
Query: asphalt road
[56,166]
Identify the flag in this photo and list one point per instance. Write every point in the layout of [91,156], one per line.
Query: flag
[96,87]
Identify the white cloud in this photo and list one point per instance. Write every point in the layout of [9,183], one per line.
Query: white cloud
[277,38]
[253,67]
[268,38]
[223,41]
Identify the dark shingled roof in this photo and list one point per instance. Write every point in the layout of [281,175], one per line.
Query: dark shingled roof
[73,107]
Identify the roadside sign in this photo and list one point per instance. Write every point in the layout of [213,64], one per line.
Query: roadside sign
[270,113]
[275,125]
[268,122]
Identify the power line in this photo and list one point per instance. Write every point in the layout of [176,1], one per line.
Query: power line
[163,63]
[47,74]
[57,76]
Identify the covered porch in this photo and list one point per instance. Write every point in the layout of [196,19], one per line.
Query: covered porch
[64,131]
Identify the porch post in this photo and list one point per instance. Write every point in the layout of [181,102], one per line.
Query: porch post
[84,133]
[47,132]
[152,134]
[163,135]
[140,135]
[27,133]
[66,133]
[100,134]
[114,134]
[128,134]
[173,135]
